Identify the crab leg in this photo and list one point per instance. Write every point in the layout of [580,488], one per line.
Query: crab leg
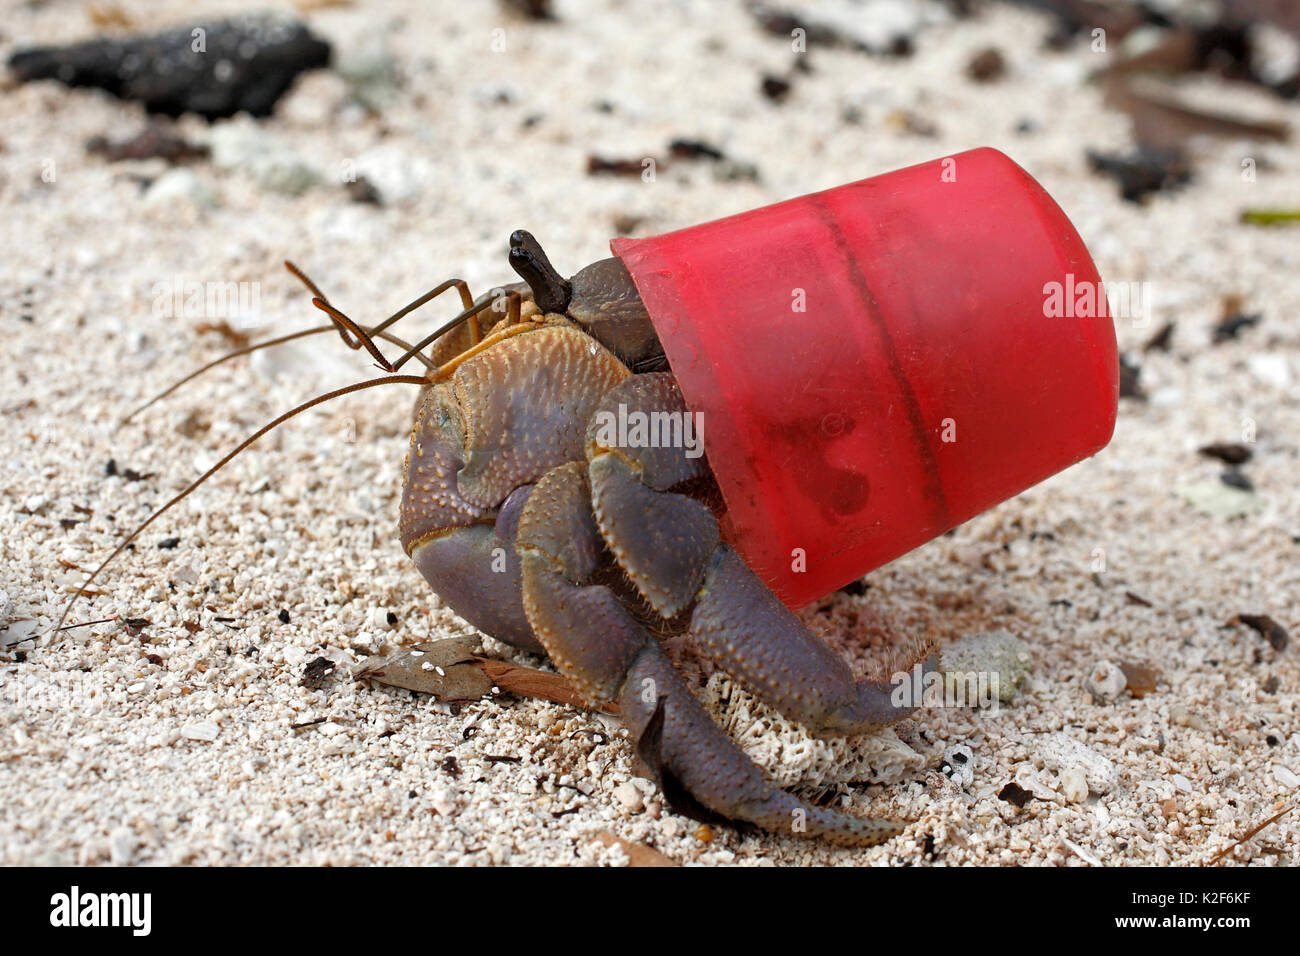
[607,655]
[670,547]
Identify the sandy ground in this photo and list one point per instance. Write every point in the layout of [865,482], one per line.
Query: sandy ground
[179,742]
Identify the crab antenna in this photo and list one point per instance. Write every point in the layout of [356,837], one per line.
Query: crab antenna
[312,403]
[257,346]
[301,333]
[486,302]
[466,300]
[345,323]
[377,331]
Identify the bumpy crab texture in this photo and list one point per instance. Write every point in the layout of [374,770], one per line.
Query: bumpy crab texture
[546,525]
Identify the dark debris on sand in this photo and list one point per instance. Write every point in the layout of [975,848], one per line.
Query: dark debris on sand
[1143,171]
[215,68]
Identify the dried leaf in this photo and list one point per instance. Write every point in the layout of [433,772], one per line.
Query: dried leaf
[1166,124]
[638,854]
[1231,326]
[530,682]
[530,9]
[307,6]
[1145,171]
[314,673]
[1015,794]
[693,149]
[1160,341]
[234,336]
[109,15]
[1074,16]
[1269,217]
[153,142]
[446,669]
[1283,14]
[1230,453]
[1175,53]
[602,165]
[465,676]
[1267,628]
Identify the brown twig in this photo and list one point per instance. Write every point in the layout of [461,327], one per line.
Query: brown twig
[1271,820]
[102,620]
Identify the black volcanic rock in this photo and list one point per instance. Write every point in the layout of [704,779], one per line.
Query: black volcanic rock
[214,68]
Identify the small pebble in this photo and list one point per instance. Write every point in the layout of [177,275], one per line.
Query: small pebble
[1271,369]
[628,794]
[1105,681]
[121,846]
[180,185]
[1218,500]
[959,765]
[370,69]
[986,66]
[243,147]
[1285,776]
[1180,716]
[204,730]
[775,88]
[444,803]
[1000,658]
[1074,784]
[1060,752]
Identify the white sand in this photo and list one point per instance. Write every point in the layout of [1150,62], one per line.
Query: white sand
[177,746]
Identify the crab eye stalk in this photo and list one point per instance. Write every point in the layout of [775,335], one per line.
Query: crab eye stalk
[551,291]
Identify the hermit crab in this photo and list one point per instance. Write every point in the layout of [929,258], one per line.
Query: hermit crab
[546,525]
[561,496]
[609,546]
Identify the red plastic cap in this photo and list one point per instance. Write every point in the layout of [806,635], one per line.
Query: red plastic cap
[877,363]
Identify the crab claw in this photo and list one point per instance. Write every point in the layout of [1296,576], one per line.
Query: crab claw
[704,774]
[607,654]
[670,548]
